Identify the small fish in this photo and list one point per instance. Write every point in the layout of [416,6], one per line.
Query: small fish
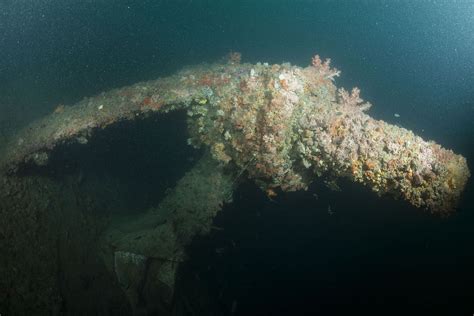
[396,115]
[330,211]
[271,193]
[220,250]
[233,308]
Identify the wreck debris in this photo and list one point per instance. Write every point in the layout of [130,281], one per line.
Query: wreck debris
[285,125]
[160,236]
[130,269]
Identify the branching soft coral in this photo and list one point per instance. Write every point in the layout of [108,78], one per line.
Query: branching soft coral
[324,68]
[353,99]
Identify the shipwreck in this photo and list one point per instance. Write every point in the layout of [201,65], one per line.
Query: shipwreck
[282,126]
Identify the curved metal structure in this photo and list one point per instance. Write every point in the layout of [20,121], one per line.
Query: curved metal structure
[282,124]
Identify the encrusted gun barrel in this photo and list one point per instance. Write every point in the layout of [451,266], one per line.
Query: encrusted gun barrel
[283,125]
[286,125]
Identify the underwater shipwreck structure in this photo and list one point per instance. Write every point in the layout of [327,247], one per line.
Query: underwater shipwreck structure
[282,126]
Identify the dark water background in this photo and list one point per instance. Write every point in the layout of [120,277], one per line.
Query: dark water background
[414,58]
